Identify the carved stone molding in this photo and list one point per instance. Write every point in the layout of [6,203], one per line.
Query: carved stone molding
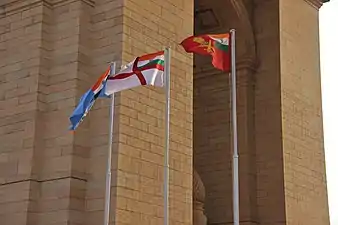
[248,32]
[316,3]
[13,6]
[249,64]
[62,2]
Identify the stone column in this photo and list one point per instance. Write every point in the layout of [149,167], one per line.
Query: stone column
[291,181]
[150,26]
[301,114]
[246,139]
[63,173]
[24,65]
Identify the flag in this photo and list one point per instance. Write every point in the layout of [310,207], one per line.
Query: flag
[87,101]
[143,70]
[215,45]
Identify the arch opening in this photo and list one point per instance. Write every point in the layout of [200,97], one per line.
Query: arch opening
[211,114]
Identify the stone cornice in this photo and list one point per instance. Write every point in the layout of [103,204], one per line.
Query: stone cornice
[62,2]
[316,3]
[12,6]
[245,25]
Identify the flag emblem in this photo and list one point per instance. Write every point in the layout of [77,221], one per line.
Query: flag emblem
[215,45]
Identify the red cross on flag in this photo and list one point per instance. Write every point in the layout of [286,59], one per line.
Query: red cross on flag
[144,70]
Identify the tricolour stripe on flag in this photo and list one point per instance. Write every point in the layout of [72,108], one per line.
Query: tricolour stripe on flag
[99,83]
[158,63]
[219,36]
[151,56]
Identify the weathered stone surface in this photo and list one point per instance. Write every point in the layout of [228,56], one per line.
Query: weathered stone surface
[51,51]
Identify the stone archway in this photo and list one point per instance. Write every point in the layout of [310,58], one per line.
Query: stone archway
[212,137]
[220,16]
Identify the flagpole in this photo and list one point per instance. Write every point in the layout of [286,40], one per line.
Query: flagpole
[167,130]
[234,129]
[110,149]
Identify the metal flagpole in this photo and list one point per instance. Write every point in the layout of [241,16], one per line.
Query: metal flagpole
[234,129]
[110,149]
[167,121]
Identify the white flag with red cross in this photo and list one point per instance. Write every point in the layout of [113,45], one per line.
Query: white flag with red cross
[143,70]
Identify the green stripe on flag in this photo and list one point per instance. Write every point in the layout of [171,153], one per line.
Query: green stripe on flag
[153,63]
[221,46]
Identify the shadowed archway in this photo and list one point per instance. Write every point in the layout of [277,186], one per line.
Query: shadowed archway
[212,137]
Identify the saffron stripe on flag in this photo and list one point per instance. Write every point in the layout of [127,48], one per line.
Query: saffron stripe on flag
[150,56]
[100,80]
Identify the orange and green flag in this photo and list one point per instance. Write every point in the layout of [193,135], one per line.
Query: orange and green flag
[215,45]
